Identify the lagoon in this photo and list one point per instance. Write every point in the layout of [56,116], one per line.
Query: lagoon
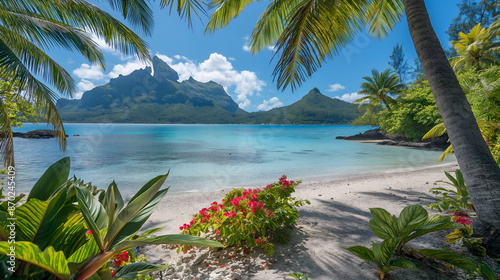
[210,157]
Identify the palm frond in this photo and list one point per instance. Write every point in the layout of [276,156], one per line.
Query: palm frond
[6,137]
[438,130]
[48,34]
[224,12]
[446,152]
[137,12]
[185,8]
[17,53]
[86,16]
[383,15]
[315,30]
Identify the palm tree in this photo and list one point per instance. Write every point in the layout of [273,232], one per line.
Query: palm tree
[306,32]
[476,48]
[378,88]
[29,28]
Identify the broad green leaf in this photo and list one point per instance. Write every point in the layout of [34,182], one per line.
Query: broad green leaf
[89,249]
[387,249]
[362,252]
[37,218]
[411,217]
[51,181]
[49,260]
[451,258]
[148,232]
[131,271]
[138,220]
[383,224]
[167,239]
[433,223]
[117,198]
[93,213]
[69,236]
[402,263]
[377,255]
[133,208]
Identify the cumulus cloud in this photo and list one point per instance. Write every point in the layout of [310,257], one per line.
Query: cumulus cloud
[217,68]
[270,104]
[85,85]
[349,97]
[126,68]
[335,87]
[89,72]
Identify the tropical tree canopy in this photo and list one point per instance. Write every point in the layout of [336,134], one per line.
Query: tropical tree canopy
[476,48]
[379,88]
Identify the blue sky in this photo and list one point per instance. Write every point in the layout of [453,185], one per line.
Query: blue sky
[225,59]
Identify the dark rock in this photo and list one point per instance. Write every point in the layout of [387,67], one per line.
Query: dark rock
[490,235]
[36,134]
[438,143]
[372,134]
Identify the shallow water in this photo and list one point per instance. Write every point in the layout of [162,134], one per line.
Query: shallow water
[208,157]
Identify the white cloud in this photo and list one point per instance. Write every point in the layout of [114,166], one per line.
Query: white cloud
[217,68]
[78,95]
[335,87]
[350,97]
[127,68]
[85,85]
[89,72]
[271,48]
[246,48]
[270,104]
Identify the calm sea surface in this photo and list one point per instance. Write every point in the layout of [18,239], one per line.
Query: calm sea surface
[208,157]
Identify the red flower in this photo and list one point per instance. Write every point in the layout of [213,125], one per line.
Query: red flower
[113,273]
[463,221]
[89,232]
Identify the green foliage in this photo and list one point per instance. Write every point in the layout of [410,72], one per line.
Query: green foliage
[18,108]
[63,230]
[413,222]
[399,63]
[382,256]
[378,88]
[413,114]
[299,276]
[459,261]
[457,198]
[472,13]
[252,216]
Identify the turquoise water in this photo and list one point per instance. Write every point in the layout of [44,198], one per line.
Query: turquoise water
[208,157]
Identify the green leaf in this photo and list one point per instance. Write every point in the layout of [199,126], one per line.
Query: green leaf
[49,260]
[383,224]
[411,217]
[451,258]
[167,239]
[138,201]
[387,249]
[131,271]
[148,232]
[377,255]
[402,263]
[362,253]
[89,249]
[51,181]
[93,213]
[138,220]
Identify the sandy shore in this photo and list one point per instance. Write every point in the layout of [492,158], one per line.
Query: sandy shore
[336,219]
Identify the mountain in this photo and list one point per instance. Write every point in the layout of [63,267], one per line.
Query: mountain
[155,96]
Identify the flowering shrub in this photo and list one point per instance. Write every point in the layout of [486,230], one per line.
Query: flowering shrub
[465,234]
[252,216]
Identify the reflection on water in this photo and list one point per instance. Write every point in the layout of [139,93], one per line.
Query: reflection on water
[206,157]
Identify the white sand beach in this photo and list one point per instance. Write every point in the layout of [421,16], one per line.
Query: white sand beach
[336,219]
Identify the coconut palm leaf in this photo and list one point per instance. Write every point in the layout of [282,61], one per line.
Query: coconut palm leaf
[6,137]
[185,8]
[383,16]
[378,89]
[137,12]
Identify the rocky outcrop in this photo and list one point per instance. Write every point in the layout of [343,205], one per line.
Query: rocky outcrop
[36,134]
[438,143]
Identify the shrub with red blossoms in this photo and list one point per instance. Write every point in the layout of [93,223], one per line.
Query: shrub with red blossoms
[250,216]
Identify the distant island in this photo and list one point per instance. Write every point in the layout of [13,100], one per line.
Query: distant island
[155,96]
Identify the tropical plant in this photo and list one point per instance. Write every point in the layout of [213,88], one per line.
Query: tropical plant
[299,276]
[413,222]
[462,262]
[64,231]
[476,48]
[382,256]
[252,216]
[464,233]
[379,88]
[456,199]
[307,32]
[472,13]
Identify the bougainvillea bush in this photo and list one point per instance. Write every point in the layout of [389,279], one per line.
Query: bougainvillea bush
[249,216]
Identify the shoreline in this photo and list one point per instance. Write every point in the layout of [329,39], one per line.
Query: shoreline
[337,218]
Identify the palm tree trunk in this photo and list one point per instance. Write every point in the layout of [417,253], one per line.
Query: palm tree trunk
[481,172]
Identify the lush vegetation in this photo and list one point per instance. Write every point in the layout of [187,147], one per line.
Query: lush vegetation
[71,230]
[249,216]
